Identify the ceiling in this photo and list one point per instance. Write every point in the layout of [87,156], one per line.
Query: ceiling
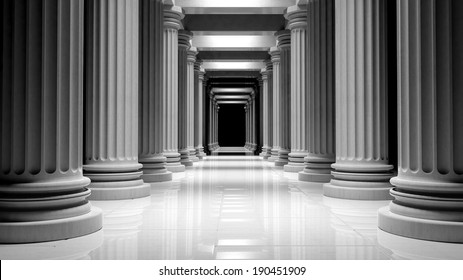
[233,35]
[233,38]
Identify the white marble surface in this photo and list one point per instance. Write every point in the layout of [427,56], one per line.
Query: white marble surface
[237,207]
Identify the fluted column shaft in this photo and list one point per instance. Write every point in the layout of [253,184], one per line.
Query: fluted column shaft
[253,123]
[43,194]
[275,57]
[172,23]
[198,110]
[361,169]
[211,122]
[269,104]
[265,114]
[192,52]
[151,109]
[184,91]
[284,45]
[428,192]
[246,111]
[216,125]
[111,108]
[205,112]
[297,23]
[320,92]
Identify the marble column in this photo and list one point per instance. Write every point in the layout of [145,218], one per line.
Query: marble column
[246,112]
[362,170]
[151,109]
[428,191]
[275,58]
[211,122]
[265,122]
[192,52]
[260,117]
[284,45]
[111,103]
[320,92]
[297,23]
[269,104]
[198,110]
[43,193]
[172,23]
[216,125]
[184,90]
[205,112]
[253,122]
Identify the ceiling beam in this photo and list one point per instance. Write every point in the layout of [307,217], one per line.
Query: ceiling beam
[242,74]
[222,97]
[232,102]
[233,65]
[236,22]
[233,55]
[247,90]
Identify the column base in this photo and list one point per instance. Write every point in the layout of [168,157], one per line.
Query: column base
[154,170]
[192,155]
[357,190]
[119,190]
[51,230]
[200,152]
[175,167]
[293,167]
[307,176]
[360,180]
[114,181]
[163,176]
[266,152]
[173,162]
[296,161]
[116,185]
[185,157]
[433,230]
[316,172]
[282,157]
[186,162]
[274,155]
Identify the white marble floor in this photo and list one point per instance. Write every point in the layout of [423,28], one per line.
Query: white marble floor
[237,207]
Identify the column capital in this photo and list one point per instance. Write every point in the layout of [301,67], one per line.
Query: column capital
[269,66]
[173,16]
[275,54]
[264,74]
[198,64]
[297,17]
[201,74]
[184,37]
[191,54]
[284,38]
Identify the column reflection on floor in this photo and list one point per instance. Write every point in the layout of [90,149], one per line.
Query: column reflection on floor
[237,207]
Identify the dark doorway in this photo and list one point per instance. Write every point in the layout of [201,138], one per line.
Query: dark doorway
[232,126]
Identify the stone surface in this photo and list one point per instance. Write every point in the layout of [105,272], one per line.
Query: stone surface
[299,107]
[151,110]
[284,102]
[362,169]
[111,104]
[43,193]
[320,92]
[172,23]
[428,190]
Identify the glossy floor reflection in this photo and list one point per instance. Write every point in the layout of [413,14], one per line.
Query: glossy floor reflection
[237,207]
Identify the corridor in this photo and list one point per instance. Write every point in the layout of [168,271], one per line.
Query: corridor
[237,207]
